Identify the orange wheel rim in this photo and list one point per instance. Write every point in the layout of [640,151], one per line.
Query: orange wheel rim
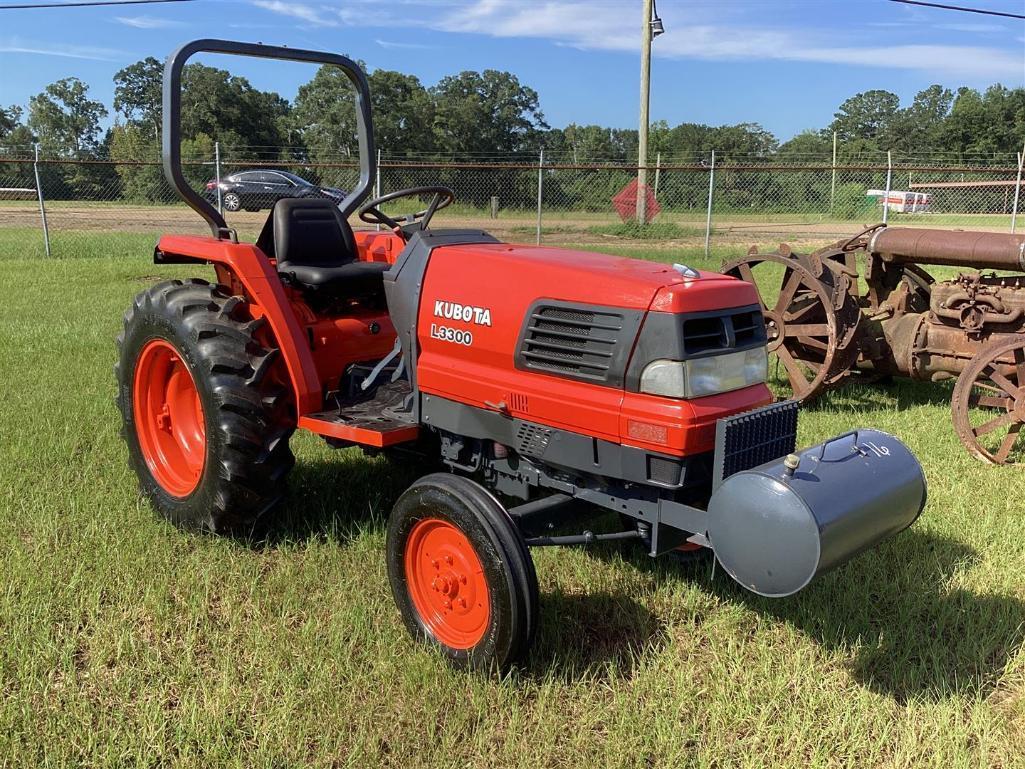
[446,583]
[169,419]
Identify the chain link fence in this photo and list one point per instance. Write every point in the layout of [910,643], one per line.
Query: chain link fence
[64,208]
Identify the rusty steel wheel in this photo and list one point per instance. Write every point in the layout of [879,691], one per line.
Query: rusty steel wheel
[988,404]
[810,319]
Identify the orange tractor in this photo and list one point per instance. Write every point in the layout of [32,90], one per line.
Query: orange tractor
[550,385]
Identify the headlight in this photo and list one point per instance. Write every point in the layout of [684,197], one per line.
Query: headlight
[705,376]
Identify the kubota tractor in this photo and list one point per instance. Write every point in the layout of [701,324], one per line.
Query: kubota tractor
[546,382]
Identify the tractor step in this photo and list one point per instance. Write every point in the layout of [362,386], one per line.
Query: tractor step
[368,422]
[374,431]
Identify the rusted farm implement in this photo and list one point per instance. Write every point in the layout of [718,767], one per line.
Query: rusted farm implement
[825,329]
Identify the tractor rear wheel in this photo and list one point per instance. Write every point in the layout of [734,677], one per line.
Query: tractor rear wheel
[461,574]
[205,410]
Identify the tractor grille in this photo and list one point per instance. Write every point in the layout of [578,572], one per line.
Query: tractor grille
[717,333]
[753,438]
[573,342]
[665,472]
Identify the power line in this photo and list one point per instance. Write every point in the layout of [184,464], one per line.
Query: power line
[86,3]
[961,8]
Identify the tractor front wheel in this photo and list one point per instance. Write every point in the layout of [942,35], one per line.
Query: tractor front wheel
[461,573]
[205,411]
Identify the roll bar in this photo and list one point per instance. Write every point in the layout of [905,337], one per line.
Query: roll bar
[171,140]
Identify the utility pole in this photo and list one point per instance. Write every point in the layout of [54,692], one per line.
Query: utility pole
[651,27]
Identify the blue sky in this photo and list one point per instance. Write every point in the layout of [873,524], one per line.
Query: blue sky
[785,64]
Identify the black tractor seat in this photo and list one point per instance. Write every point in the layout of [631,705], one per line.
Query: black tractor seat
[316,252]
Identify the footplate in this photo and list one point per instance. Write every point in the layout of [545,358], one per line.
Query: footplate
[376,419]
[365,429]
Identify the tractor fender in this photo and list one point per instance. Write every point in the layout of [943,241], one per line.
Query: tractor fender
[256,273]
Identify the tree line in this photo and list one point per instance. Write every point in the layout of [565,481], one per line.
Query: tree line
[470,114]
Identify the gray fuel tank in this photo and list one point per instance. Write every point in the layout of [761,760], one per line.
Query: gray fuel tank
[774,530]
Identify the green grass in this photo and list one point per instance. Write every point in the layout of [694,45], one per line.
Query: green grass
[20,243]
[653,231]
[126,643]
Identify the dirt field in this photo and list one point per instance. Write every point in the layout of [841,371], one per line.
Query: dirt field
[557,227]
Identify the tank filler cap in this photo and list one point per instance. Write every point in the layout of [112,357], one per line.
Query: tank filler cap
[791,463]
[687,272]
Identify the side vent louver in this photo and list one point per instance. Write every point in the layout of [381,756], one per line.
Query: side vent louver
[532,440]
[575,342]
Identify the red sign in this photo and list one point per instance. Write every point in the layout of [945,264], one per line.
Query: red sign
[625,203]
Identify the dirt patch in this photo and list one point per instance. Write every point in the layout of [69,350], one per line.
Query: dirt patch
[180,219]
[557,228]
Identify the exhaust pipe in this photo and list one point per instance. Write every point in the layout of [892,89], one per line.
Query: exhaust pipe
[955,248]
[776,527]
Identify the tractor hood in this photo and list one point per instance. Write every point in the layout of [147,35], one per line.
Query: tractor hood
[549,335]
[591,278]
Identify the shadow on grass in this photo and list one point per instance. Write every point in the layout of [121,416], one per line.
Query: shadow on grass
[890,393]
[908,636]
[597,635]
[341,498]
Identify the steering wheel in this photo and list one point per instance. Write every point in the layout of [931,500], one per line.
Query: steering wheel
[371,214]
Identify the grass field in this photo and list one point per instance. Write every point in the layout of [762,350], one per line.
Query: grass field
[127,643]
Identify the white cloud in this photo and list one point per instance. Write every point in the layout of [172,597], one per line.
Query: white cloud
[412,46]
[691,33]
[249,25]
[602,27]
[920,25]
[147,22]
[972,28]
[306,13]
[966,60]
[62,50]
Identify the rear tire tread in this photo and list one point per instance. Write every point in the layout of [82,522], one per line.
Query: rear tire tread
[246,411]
